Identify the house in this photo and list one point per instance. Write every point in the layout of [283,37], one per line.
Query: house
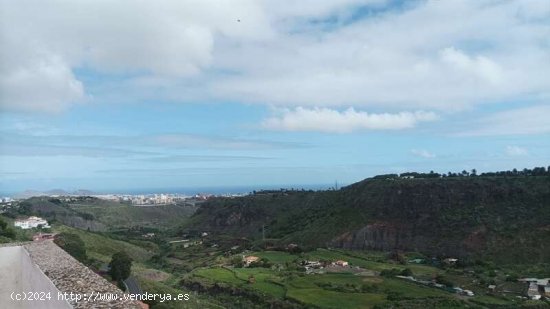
[536,286]
[31,222]
[492,287]
[312,264]
[450,261]
[341,263]
[250,259]
[42,236]
[468,293]
[533,291]
[291,247]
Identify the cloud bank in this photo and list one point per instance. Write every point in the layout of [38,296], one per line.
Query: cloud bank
[413,56]
[334,121]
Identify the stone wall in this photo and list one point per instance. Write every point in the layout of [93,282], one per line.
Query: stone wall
[18,274]
[44,267]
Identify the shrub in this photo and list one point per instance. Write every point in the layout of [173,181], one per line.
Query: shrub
[444,280]
[406,272]
[6,231]
[390,272]
[73,245]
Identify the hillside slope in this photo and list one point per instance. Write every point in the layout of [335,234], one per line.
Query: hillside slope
[95,214]
[464,216]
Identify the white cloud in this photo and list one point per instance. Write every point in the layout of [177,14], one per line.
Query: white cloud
[516,151]
[46,87]
[423,153]
[44,41]
[479,66]
[521,121]
[330,120]
[426,56]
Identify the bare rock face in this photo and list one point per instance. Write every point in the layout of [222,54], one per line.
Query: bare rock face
[386,236]
[70,276]
[377,236]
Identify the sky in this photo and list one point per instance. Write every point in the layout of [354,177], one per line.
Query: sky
[199,93]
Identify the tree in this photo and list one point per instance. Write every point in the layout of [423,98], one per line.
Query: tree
[73,245]
[5,230]
[397,256]
[444,280]
[120,266]
[406,272]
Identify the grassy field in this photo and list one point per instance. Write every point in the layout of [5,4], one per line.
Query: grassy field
[351,289]
[331,290]
[411,290]
[195,301]
[354,259]
[266,281]
[219,274]
[116,215]
[102,248]
[331,299]
[278,257]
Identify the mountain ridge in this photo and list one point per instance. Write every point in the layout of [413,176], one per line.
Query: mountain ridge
[467,217]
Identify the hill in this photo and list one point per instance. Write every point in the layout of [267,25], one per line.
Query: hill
[101,215]
[101,247]
[456,216]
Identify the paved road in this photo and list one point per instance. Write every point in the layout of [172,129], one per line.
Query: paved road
[133,286]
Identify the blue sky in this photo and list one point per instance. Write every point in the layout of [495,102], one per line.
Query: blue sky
[180,94]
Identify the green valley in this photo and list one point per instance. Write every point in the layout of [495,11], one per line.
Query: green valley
[385,242]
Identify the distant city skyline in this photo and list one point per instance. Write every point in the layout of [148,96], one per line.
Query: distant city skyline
[267,93]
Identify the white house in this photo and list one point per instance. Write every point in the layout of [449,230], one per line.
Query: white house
[31,222]
[341,263]
[533,291]
[250,259]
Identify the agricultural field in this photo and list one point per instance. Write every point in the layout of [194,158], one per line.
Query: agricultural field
[343,289]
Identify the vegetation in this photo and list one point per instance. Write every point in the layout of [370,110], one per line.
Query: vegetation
[123,216]
[468,217]
[395,232]
[95,214]
[282,284]
[73,245]
[7,234]
[120,266]
[101,247]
